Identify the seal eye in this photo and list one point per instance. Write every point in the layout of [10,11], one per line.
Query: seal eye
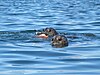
[59,39]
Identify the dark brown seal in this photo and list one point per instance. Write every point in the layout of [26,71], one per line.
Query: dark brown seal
[50,31]
[47,32]
[59,41]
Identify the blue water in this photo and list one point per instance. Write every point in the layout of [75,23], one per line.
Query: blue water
[23,54]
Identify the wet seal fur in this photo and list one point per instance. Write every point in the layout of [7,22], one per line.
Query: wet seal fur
[58,41]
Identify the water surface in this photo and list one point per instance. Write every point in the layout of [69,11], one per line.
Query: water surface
[23,54]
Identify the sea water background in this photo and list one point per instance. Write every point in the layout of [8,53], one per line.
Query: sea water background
[22,54]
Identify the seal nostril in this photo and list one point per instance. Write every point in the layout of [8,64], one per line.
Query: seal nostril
[58,38]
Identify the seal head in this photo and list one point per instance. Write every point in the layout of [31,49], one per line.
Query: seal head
[59,41]
[50,31]
[47,32]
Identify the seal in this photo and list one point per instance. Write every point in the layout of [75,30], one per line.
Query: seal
[47,32]
[59,41]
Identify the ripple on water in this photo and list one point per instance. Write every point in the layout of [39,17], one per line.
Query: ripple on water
[22,53]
